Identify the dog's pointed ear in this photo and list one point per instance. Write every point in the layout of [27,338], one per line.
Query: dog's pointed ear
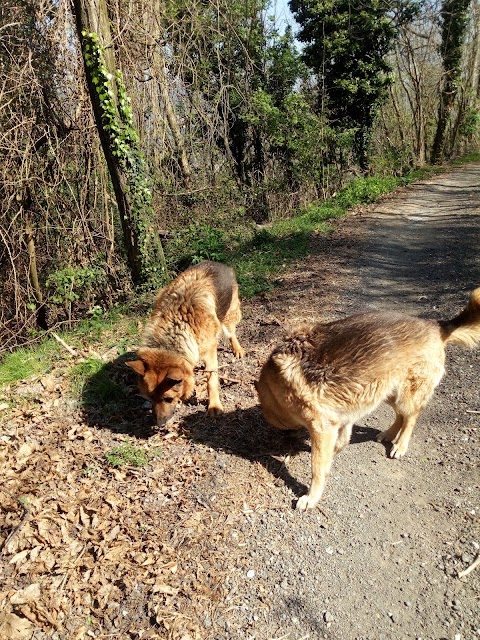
[137,365]
[152,379]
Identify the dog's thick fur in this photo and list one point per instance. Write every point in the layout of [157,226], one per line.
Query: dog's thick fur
[325,377]
[184,328]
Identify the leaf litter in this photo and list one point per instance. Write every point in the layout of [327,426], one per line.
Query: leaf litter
[99,550]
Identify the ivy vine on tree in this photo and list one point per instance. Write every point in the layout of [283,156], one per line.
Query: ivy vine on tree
[126,164]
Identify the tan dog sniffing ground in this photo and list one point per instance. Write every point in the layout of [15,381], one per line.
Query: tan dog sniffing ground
[325,377]
[183,329]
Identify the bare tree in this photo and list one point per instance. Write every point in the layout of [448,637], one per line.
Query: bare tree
[120,143]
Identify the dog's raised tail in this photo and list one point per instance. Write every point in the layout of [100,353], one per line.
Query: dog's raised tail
[464,329]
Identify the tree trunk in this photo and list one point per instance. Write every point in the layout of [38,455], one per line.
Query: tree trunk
[33,274]
[475,78]
[447,99]
[124,160]
[454,22]
[172,119]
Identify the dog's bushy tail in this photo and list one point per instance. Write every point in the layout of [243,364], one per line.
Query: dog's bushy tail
[464,329]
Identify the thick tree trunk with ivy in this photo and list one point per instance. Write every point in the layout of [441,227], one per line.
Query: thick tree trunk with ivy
[454,24]
[120,144]
[467,114]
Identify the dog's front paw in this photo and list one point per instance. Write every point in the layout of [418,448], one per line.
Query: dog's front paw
[214,411]
[398,450]
[304,503]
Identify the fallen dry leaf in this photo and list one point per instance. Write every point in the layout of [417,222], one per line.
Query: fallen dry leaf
[32,592]
[113,533]
[165,588]
[25,452]
[48,382]
[12,627]
[19,557]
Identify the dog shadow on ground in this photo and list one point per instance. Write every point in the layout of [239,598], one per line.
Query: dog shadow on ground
[244,433]
[110,400]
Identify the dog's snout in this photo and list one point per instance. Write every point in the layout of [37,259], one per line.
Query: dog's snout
[163,419]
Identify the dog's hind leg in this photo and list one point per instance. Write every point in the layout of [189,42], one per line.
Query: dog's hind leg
[343,438]
[390,434]
[323,439]
[229,323]
[229,331]
[399,434]
[400,443]
[412,397]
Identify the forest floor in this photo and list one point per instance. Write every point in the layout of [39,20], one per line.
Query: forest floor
[202,541]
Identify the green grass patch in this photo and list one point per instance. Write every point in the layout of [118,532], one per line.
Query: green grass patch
[91,381]
[469,157]
[26,362]
[257,255]
[108,328]
[102,330]
[366,190]
[127,454]
[268,252]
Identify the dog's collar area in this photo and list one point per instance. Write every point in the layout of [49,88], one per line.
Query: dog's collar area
[202,370]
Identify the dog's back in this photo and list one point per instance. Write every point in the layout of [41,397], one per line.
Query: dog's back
[347,367]
[223,280]
[359,348]
[195,302]
[186,322]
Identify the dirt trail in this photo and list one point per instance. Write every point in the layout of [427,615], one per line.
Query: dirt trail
[203,542]
[379,560]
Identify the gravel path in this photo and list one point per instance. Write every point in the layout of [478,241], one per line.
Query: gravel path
[380,558]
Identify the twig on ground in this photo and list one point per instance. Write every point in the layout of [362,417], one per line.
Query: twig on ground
[220,366]
[323,512]
[276,321]
[64,344]
[471,411]
[466,571]
[234,380]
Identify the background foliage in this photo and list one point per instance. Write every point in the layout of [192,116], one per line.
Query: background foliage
[228,119]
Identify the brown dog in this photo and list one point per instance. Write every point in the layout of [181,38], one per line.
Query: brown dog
[184,328]
[325,377]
